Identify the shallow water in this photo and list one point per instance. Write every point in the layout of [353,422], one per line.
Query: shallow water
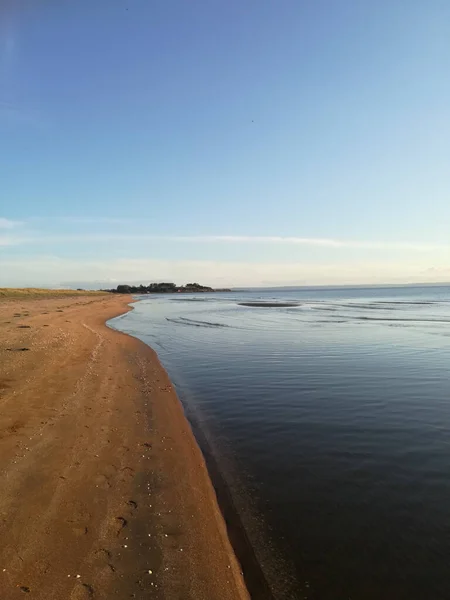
[330,422]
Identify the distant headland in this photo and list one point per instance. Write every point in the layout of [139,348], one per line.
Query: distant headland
[164,288]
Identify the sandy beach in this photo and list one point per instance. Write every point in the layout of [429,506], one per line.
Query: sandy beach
[104,493]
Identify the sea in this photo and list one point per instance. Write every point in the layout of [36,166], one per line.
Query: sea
[324,416]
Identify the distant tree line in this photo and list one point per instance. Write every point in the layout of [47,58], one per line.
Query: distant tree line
[160,288]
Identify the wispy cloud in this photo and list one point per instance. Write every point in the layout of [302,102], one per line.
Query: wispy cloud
[223,239]
[130,229]
[305,241]
[8,223]
[10,241]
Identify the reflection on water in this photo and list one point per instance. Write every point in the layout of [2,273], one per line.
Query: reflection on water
[330,422]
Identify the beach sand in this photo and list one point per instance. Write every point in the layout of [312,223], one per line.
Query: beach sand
[104,492]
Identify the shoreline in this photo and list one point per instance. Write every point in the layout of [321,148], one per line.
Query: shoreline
[116,498]
[254,577]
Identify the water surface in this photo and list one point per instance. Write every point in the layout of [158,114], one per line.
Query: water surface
[329,419]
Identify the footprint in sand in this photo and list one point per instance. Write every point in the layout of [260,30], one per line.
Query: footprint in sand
[122,524]
[102,481]
[83,592]
[5,384]
[89,589]
[80,531]
[17,349]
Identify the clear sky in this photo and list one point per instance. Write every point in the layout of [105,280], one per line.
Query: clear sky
[232,142]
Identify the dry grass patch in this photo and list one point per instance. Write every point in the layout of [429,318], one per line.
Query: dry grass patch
[25,293]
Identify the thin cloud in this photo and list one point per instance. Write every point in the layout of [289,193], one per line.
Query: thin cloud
[130,224]
[8,223]
[10,241]
[73,220]
[304,241]
[225,239]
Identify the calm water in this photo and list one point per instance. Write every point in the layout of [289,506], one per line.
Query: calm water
[330,422]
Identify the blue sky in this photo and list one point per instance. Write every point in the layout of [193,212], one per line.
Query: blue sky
[257,142]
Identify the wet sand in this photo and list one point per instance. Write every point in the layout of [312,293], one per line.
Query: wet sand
[104,493]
